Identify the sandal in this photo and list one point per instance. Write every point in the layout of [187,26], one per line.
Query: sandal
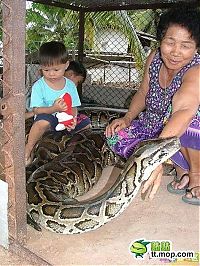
[179,191]
[194,200]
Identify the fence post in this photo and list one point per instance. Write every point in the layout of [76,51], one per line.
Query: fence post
[12,108]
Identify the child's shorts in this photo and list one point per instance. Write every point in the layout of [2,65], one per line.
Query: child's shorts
[82,121]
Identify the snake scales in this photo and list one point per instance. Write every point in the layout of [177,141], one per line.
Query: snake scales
[66,167]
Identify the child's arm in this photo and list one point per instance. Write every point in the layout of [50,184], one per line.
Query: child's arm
[58,106]
[73,124]
[74,111]
[29,114]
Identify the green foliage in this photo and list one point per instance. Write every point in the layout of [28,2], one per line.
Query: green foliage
[135,44]
[45,23]
[127,23]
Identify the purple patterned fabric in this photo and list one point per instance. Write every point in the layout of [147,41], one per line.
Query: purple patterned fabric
[158,109]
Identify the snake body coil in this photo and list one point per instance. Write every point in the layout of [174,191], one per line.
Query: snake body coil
[53,186]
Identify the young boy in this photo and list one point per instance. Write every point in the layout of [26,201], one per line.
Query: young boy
[76,72]
[45,101]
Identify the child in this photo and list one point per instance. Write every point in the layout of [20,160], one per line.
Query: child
[45,101]
[76,72]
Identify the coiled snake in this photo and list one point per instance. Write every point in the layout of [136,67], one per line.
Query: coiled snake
[66,167]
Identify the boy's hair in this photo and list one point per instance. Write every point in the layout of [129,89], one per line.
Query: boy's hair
[78,69]
[184,16]
[52,53]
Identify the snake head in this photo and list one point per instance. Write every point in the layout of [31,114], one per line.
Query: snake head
[151,153]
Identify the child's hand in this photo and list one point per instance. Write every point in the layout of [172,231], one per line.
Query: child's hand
[29,114]
[60,105]
[72,125]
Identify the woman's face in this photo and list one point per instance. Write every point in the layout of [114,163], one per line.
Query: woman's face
[177,47]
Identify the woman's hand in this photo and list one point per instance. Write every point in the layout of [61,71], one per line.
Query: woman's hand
[117,125]
[153,182]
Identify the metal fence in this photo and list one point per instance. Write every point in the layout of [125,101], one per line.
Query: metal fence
[115,47]
[12,172]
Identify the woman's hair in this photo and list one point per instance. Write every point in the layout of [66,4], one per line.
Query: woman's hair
[52,53]
[186,17]
[78,69]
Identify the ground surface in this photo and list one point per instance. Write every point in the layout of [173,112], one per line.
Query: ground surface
[166,217]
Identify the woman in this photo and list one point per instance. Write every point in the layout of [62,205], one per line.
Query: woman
[167,103]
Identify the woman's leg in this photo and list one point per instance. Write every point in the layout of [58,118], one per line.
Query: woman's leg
[191,176]
[194,173]
[36,132]
[181,180]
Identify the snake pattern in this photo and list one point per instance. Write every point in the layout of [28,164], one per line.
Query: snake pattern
[66,167]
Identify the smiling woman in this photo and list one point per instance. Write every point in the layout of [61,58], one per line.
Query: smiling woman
[167,103]
[177,48]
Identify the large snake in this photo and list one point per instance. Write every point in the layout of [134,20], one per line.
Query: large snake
[71,168]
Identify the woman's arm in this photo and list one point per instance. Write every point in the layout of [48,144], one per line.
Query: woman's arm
[137,103]
[185,104]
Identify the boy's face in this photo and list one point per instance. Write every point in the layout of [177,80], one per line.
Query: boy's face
[53,73]
[77,79]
